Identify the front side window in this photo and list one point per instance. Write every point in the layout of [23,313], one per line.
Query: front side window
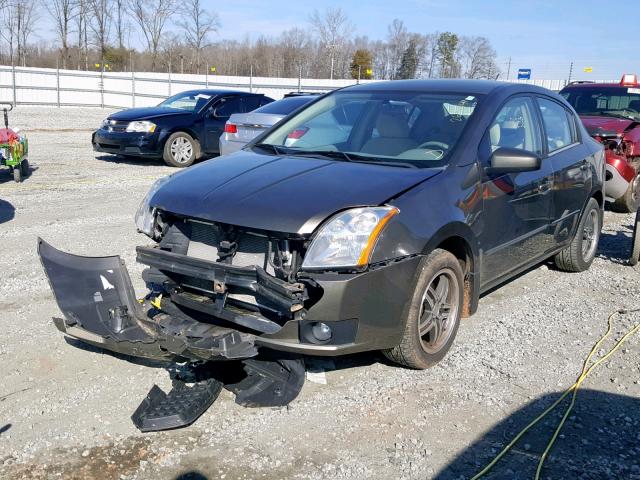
[190,101]
[396,128]
[556,125]
[515,126]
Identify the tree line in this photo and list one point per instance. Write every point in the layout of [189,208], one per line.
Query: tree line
[181,36]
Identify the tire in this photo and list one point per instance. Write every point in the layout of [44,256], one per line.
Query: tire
[17,174]
[180,150]
[579,255]
[630,201]
[423,351]
[635,245]
[24,168]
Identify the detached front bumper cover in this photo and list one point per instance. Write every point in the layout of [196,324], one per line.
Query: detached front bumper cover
[98,301]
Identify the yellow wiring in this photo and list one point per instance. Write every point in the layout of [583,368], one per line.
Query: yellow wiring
[574,388]
[157,302]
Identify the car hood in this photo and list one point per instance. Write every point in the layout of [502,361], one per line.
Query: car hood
[606,125]
[146,113]
[283,194]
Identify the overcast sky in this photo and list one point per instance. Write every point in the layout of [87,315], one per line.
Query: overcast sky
[544,35]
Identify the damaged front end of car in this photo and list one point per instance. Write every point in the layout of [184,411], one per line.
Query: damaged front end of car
[196,310]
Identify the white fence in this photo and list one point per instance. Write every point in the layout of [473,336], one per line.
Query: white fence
[43,86]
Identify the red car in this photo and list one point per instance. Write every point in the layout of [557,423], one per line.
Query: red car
[611,114]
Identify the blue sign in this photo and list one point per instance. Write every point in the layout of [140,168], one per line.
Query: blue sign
[524,74]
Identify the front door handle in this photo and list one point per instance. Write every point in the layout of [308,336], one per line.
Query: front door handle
[544,187]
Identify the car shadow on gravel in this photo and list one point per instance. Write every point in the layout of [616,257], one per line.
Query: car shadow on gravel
[616,246]
[118,159]
[7,211]
[599,440]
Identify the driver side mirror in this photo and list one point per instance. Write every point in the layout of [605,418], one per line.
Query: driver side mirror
[513,160]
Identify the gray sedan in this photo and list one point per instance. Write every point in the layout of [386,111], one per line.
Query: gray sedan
[241,128]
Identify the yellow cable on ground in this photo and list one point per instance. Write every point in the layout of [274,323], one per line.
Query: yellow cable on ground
[586,371]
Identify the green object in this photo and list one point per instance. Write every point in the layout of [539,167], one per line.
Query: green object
[14,148]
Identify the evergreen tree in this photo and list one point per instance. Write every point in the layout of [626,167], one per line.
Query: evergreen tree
[362,60]
[409,63]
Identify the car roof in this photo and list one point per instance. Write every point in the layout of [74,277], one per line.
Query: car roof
[477,87]
[216,92]
[597,85]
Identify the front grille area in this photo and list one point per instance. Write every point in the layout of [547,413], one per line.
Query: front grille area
[252,249]
[116,126]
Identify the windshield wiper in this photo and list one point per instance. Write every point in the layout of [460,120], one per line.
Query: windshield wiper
[269,146]
[617,115]
[333,154]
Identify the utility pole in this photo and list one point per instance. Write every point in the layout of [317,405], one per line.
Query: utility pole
[570,73]
[509,69]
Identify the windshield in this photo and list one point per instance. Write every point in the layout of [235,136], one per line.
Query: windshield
[622,102]
[396,128]
[286,105]
[190,101]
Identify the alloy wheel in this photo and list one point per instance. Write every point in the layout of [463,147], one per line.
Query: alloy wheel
[439,310]
[181,150]
[590,235]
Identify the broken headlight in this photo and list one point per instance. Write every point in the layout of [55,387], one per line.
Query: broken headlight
[348,238]
[145,216]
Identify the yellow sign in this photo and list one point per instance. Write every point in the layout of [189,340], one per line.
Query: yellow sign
[97,65]
[369,71]
[213,69]
[588,69]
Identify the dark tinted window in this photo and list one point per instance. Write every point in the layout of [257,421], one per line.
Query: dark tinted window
[228,106]
[286,105]
[251,103]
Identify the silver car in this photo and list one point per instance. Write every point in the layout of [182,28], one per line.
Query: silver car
[241,128]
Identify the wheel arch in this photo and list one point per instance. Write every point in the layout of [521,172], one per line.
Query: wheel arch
[459,240]
[182,129]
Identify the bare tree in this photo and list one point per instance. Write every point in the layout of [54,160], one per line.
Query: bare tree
[82,19]
[19,18]
[397,41]
[295,44]
[121,24]
[100,23]
[333,30]
[151,16]
[197,24]
[478,57]
[63,13]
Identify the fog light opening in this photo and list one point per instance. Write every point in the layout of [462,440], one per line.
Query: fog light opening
[321,331]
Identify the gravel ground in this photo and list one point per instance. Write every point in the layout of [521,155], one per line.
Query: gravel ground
[64,409]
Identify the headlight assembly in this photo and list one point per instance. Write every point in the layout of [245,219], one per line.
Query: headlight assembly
[348,238]
[141,127]
[145,216]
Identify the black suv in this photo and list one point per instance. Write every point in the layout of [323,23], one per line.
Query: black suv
[180,130]
[372,219]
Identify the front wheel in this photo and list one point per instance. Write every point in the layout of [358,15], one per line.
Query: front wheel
[433,316]
[579,255]
[180,150]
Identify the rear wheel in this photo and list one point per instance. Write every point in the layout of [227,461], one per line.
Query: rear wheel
[579,255]
[433,316]
[180,150]
[24,167]
[17,174]
[630,201]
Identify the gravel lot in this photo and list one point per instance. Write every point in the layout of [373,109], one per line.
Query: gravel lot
[64,408]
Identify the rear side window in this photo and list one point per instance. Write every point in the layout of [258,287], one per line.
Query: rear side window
[228,106]
[251,103]
[515,126]
[558,130]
